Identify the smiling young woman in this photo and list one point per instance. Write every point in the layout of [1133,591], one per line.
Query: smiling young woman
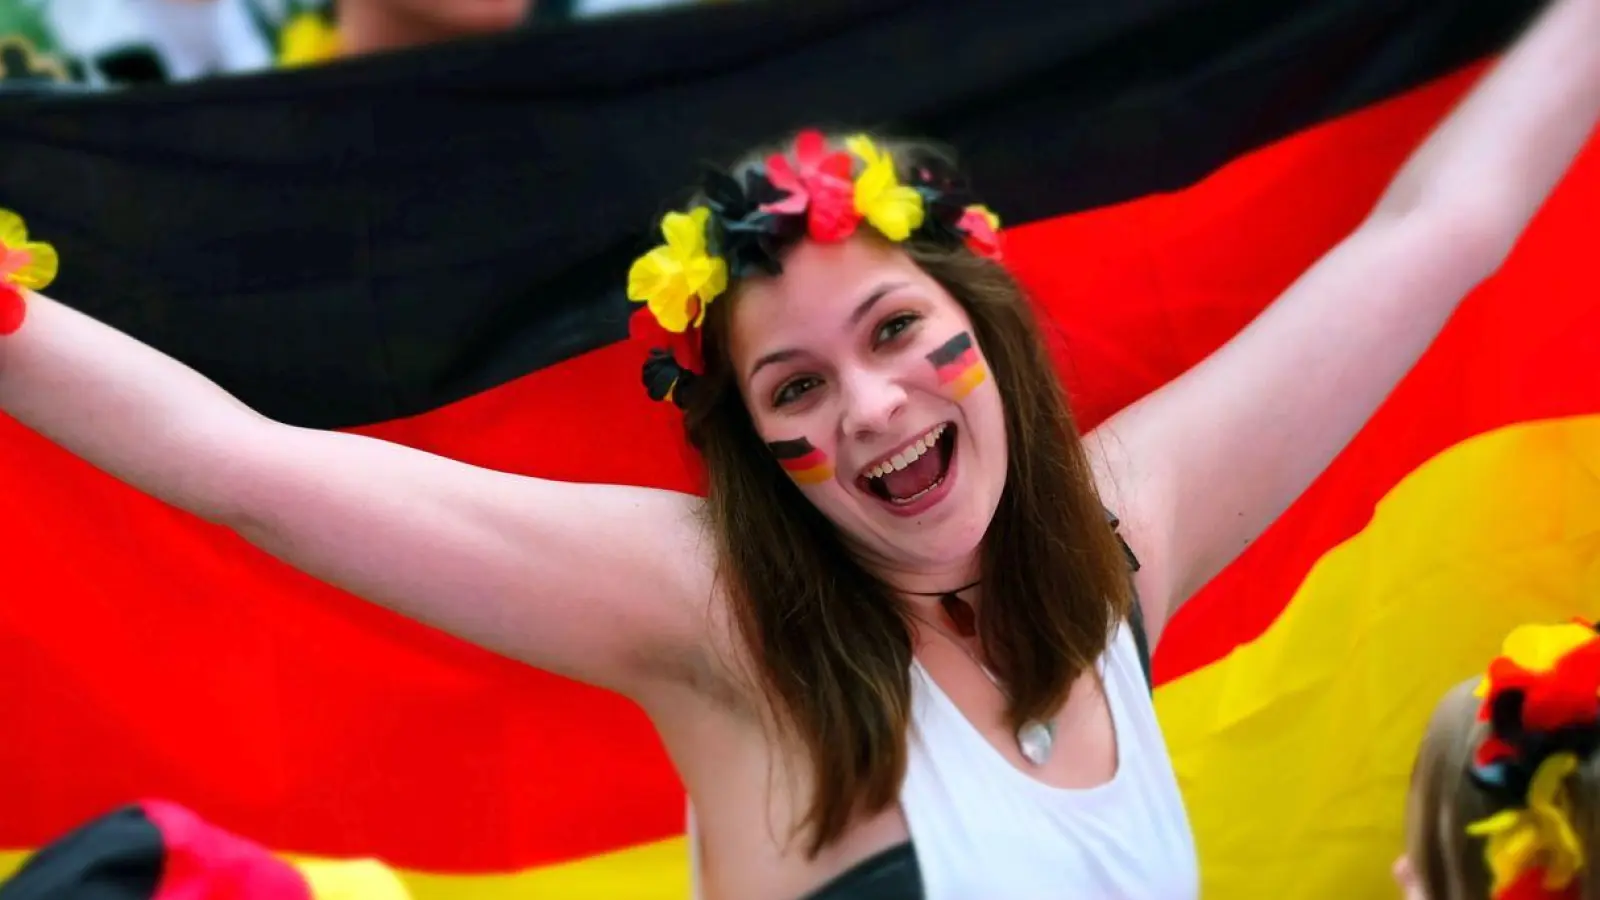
[864,353]
[891,652]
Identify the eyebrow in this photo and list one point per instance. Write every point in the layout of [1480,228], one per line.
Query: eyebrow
[856,315]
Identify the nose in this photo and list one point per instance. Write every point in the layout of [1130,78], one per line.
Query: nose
[872,403]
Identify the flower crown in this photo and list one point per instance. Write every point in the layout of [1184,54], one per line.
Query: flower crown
[743,227]
[1541,698]
[23,264]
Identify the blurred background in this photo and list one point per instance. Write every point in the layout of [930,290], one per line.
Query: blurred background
[104,43]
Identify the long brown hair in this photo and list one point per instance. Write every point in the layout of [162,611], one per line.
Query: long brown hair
[1443,801]
[828,639]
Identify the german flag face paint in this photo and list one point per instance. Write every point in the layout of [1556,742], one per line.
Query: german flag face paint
[960,370]
[804,463]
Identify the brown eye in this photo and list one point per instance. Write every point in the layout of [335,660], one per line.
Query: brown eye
[894,327]
[793,390]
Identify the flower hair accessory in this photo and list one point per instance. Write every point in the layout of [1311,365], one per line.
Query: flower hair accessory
[23,264]
[744,225]
[1541,698]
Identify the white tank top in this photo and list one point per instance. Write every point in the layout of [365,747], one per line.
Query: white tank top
[983,829]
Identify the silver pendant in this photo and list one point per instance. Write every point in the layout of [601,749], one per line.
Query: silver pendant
[1035,740]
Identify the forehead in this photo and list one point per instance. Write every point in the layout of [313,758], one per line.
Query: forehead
[821,286]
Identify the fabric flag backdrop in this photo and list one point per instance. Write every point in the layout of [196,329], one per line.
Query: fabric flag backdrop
[429,249]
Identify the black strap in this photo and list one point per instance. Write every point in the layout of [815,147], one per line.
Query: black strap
[890,875]
[1136,621]
[1135,611]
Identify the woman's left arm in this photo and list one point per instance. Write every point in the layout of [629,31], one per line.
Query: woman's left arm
[1199,468]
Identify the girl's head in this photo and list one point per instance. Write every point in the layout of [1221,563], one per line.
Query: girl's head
[1505,793]
[865,358]
[877,413]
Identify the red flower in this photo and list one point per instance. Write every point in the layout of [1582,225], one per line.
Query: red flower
[12,309]
[1568,695]
[1493,750]
[685,345]
[1530,886]
[823,189]
[1562,696]
[982,228]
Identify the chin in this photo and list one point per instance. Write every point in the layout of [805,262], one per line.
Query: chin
[948,540]
[955,551]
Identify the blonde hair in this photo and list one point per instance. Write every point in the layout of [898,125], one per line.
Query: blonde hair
[1448,862]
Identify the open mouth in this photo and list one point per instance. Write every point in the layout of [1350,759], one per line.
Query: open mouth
[912,473]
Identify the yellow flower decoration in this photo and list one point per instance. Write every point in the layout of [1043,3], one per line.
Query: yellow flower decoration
[1537,834]
[307,39]
[35,62]
[1537,648]
[892,208]
[24,263]
[678,279]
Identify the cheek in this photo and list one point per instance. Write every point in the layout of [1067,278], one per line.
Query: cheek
[957,366]
[805,463]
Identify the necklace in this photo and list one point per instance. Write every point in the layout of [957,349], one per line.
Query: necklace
[957,610]
[1035,739]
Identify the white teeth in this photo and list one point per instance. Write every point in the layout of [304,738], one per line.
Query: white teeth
[909,455]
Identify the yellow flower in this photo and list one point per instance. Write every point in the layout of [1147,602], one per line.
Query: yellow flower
[24,263]
[1538,834]
[892,208]
[308,38]
[35,62]
[678,279]
[1538,648]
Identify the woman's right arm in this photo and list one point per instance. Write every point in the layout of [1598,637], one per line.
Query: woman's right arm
[605,584]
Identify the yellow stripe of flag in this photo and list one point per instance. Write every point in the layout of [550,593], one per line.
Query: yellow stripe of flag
[1294,752]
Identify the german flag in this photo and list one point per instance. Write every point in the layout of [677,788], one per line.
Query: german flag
[429,248]
[804,463]
[958,366]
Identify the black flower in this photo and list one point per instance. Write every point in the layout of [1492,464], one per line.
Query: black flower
[746,236]
[945,197]
[665,379]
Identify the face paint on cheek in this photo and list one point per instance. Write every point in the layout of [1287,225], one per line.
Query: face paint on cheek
[958,366]
[804,463]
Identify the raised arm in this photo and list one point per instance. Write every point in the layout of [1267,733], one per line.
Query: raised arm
[1201,467]
[601,583]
